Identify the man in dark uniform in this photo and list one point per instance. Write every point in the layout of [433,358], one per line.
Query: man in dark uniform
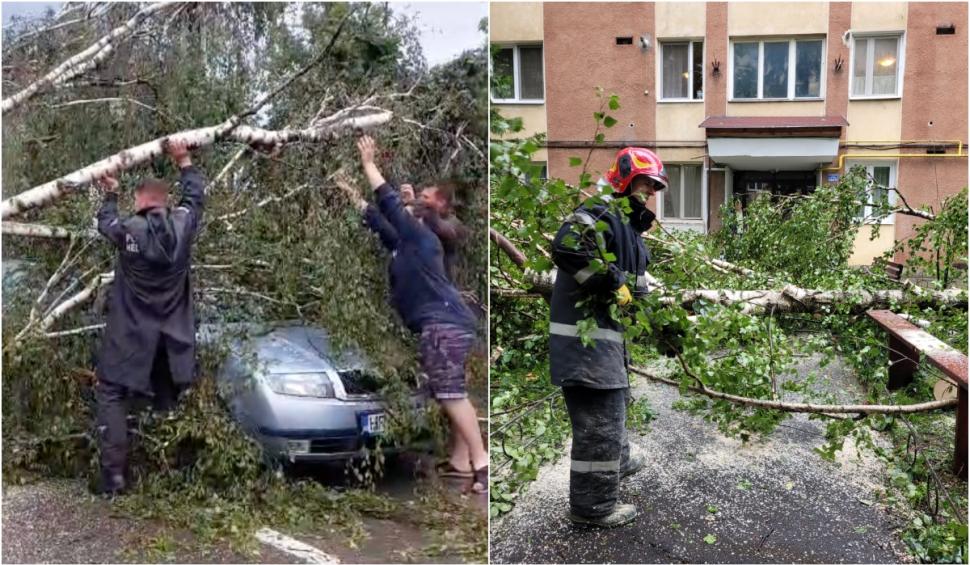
[590,365]
[149,340]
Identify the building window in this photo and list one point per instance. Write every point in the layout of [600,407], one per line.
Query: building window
[788,69]
[682,199]
[875,66]
[540,172]
[882,179]
[682,73]
[517,74]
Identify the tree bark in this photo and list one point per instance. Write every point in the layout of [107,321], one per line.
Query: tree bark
[791,299]
[365,117]
[83,61]
[41,230]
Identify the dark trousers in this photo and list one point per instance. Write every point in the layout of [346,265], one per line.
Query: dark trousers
[115,401]
[600,448]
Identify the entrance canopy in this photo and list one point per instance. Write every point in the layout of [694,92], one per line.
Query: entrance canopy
[773,143]
[773,153]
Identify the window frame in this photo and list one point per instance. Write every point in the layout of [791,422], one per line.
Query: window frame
[891,194]
[870,38]
[689,41]
[792,62]
[661,209]
[517,75]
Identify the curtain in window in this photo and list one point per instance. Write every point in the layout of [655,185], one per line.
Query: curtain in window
[672,193]
[530,73]
[884,65]
[745,70]
[698,86]
[808,66]
[859,68]
[775,81]
[502,85]
[880,190]
[674,71]
[692,192]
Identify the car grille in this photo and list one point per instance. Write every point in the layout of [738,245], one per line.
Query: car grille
[358,382]
[341,444]
[334,445]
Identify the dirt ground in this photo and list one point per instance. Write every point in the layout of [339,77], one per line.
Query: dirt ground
[58,521]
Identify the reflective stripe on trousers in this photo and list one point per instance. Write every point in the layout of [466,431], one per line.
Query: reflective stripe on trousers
[599,438]
[571,330]
[594,466]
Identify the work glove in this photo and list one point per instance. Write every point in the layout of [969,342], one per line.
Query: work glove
[623,296]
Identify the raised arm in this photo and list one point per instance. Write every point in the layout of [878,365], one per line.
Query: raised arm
[373,218]
[192,181]
[388,199]
[367,148]
[379,225]
[578,250]
[109,225]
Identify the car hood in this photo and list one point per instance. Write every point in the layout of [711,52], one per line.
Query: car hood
[285,347]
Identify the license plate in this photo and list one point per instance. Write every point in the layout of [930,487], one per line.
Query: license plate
[374,423]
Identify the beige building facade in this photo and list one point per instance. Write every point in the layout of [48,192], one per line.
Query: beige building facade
[737,103]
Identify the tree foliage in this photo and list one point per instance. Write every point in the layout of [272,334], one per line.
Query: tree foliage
[779,241]
[279,242]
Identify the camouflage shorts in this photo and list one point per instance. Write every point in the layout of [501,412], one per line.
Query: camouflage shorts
[444,348]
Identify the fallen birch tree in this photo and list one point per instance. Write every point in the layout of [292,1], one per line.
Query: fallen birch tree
[789,299]
[84,61]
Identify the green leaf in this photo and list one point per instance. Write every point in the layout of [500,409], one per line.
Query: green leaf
[710,539]
[614,102]
[575,161]
[609,121]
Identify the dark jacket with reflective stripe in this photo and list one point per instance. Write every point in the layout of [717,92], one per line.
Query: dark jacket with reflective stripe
[420,289]
[583,278]
[151,297]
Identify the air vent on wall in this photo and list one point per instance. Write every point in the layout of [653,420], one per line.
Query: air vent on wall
[624,41]
[946,29]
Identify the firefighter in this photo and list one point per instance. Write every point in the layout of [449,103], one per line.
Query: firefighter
[148,348]
[593,376]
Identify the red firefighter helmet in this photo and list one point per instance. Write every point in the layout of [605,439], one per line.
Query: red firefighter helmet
[634,161]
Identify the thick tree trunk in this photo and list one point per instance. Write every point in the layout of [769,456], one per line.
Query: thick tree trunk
[84,61]
[340,123]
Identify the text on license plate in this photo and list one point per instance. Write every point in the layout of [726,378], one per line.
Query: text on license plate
[375,423]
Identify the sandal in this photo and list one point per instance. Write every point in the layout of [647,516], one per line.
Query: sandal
[446,469]
[481,478]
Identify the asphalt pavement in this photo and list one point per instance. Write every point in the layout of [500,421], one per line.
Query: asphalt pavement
[706,498]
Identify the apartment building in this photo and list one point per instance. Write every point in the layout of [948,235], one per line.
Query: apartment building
[740,98]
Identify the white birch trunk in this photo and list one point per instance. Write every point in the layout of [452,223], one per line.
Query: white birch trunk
[83,61]
[44,194]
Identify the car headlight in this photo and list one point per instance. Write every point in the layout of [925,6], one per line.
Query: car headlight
[301,384]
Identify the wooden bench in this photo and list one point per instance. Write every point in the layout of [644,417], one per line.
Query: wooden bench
[906,343]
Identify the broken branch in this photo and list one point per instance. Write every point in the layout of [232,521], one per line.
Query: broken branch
[83,61]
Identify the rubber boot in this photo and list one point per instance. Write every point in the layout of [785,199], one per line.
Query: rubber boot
[622,514]
[633,465]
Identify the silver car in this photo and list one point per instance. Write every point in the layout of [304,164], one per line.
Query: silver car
[302,399]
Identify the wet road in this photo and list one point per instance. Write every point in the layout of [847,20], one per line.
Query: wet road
[704,498]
